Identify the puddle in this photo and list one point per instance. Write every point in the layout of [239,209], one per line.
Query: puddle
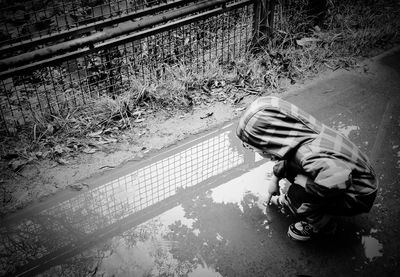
[254,181]
[183,239]
[144,250]
[372,247]
[346,130]
[57,232]
[175,214]
[171,243]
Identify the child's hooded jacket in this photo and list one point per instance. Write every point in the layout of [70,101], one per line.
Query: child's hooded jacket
[335,167]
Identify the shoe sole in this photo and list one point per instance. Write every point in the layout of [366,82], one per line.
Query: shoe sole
[295,237]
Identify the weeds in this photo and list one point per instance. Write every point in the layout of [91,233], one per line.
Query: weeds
[298,50]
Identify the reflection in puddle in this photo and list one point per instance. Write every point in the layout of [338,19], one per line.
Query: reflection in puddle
[149,185]
[372,247]
[175,214]
[172,244]
[145,250]
[125,261]
[346,130]
[93,214]
[254,181]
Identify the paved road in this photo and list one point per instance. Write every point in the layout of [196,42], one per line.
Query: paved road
[367,106]
[137,221]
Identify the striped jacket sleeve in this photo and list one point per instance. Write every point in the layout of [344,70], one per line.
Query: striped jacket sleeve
[326,175]
[329,181]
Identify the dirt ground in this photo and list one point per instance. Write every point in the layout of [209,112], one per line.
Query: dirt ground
[25,181]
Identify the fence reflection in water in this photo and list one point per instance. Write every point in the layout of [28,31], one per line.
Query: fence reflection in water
[93,213]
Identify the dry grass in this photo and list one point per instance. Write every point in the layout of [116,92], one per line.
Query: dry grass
[352,30]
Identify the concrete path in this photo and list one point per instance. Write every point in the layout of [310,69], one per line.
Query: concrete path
[196,209]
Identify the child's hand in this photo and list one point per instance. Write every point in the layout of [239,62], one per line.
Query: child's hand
[273,187]
[278,200]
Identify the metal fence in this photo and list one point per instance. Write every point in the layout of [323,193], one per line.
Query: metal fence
[113,46]
[22,20]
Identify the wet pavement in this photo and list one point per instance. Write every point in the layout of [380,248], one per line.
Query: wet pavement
[196,209]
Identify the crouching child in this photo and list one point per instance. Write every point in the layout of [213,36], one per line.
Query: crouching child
[329,175]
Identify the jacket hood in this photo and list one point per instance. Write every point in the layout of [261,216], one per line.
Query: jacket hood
[276,126]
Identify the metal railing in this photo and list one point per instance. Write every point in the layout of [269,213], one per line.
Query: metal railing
[52,74]
[22,20]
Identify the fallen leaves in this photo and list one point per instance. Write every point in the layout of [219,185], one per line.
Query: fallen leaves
[57,150]
[103,141]
[17,164]
[95,134]
[139,120]
[307,41]
[61,161]
[207,115]
[89,150]
[78,186]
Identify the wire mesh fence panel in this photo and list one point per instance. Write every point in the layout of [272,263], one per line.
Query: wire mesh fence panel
[61,85]
[22,20]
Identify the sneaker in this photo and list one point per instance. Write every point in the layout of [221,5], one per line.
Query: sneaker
[301,231]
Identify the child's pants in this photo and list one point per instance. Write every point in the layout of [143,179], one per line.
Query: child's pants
[306,206]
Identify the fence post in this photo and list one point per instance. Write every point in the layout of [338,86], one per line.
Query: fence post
[263,21]
[271,16]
